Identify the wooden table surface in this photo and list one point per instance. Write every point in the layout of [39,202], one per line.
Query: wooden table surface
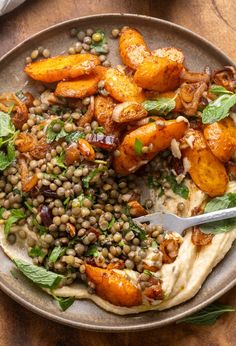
[214,20]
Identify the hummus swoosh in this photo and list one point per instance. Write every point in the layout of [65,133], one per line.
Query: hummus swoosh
[181,280]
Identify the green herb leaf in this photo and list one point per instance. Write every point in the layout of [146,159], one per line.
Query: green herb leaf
[11,154]
[121,243]
[28,206]
[7,138]
[74,136]
[111,223]
[56,253]
[98,46]
[65,303]
[219,90]
[219,203]
[42,230]
[180,189]
[208,315]
[218,109]
[1,212]
[154,244]
[138,146]
[58,110]
[160,106]
[223,202]
[52,136]
[4,161]
[36,252]
[92,251]
[15,216]
[147,272]
[138,231]
[39,275]
[99,129]
[66,202]
[90,176]
[10,109]
[60,160]
[6,126]
[6,158]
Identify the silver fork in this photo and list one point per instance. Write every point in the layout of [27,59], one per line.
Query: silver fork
[174,223]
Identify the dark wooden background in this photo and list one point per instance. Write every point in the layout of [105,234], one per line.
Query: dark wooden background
[212,19]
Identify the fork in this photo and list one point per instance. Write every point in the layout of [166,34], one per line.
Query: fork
[174,223]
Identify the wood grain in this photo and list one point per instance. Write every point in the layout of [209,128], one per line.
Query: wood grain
[214,20]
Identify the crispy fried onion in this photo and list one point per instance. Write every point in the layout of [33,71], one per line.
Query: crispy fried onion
[190,94]
[136,209]
[154,289]
[226,77]
[20,111]
[193,77]
[89,115]
[199,238]
[28,143]
[170,249]
[28,183]
[86,149]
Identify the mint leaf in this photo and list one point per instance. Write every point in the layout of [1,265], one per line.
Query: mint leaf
[218,109]
[180,189]
[219,203]
[223,202]
[6,126]
[15,216]
[4,162]
[56,253]
[51,135]
[6,158]
[65,303]
[138,146]
[160,106]
[38,275]
[208,315]
[219,90]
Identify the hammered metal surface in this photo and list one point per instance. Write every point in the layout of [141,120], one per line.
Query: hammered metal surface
[157,33]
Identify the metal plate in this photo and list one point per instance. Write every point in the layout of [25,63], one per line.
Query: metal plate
[158,33]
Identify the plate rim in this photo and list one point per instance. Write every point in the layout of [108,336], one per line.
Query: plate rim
[139,326]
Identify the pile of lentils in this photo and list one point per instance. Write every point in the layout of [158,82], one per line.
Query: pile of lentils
[67,195]
[78,211]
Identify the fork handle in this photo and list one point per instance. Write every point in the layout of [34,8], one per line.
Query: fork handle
[210,217]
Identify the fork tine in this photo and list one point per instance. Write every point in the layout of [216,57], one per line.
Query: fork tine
[169,222]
